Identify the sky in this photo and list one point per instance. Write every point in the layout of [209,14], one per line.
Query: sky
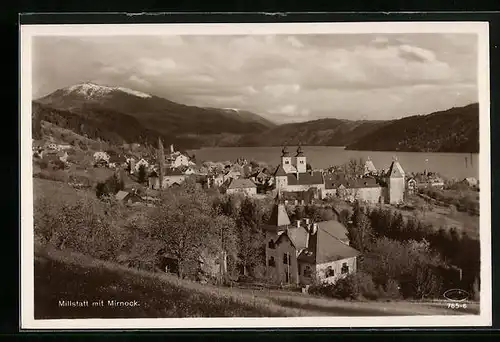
[284,78]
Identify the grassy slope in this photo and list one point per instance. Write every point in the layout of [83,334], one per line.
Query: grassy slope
[53,189]
[70,276]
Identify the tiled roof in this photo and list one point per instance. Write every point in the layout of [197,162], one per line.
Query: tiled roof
[334,228]
[173,172]
[395,170]
[334,181]
[120,195]
[298,236]
[279,216]
[369,166]
[279,171]
[241,183]
[117,159]
[306,178]
[325,247]
[307,196]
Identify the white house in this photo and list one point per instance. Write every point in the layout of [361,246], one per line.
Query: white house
[171,177]
[101,156]
[137,165]
[177,159]
[245,186]
[305,252]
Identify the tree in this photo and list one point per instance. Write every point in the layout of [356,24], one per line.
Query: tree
[101,189]
[37,125]
[141,176]
[183,225]
[83,226]
[396,227]
[360,231]
[250,236]
[308,167]
[110,186]
[225,244]
[300,212]
[344,217]
[327,214]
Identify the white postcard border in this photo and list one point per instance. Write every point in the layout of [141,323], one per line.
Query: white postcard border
[27,242]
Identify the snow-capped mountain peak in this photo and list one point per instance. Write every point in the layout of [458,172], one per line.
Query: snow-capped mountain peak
[232,109]
[89,89]
[134,92]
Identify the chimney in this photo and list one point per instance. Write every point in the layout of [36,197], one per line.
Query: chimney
[298,223]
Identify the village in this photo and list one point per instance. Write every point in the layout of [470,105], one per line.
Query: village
[299,250]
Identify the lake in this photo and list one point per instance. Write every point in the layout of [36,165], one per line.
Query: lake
[450,165]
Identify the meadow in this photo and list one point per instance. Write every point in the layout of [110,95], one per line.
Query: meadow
[66,275]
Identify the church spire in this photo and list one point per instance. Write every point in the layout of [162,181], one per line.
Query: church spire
[300,153]
[284,151]
[279,216]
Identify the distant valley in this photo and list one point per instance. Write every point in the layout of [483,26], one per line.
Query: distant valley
[121,115]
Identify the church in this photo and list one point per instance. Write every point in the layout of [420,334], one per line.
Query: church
[292,173]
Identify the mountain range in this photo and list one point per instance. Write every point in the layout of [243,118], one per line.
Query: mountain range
[120,115]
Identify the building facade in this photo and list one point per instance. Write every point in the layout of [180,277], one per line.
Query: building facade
[292,173]
[244,186]
[305,252]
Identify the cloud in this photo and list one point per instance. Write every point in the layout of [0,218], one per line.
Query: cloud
[283,77]
[139,81]
[149,66]
[414,53]
[278,90]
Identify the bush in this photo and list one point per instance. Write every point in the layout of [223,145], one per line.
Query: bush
[85,227]
[43,164]
[57,164]
[58,176]
[354,286]
[390,290]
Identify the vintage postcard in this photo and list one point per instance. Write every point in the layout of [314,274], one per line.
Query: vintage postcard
[255,175]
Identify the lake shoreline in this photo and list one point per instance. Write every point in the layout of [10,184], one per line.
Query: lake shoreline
[448,164]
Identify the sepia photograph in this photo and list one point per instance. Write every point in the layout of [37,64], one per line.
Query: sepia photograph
[255,175]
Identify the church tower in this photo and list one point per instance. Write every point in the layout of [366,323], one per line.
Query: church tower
[286,160]
[301,160]
[396,182]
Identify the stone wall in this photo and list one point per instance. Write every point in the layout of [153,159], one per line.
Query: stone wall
[396,190]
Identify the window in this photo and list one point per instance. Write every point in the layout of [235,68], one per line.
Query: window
[286,259]
[271,244]
[345,268]
[272,262]
[307,271]
[287,162]
[302,162]
[330,272]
